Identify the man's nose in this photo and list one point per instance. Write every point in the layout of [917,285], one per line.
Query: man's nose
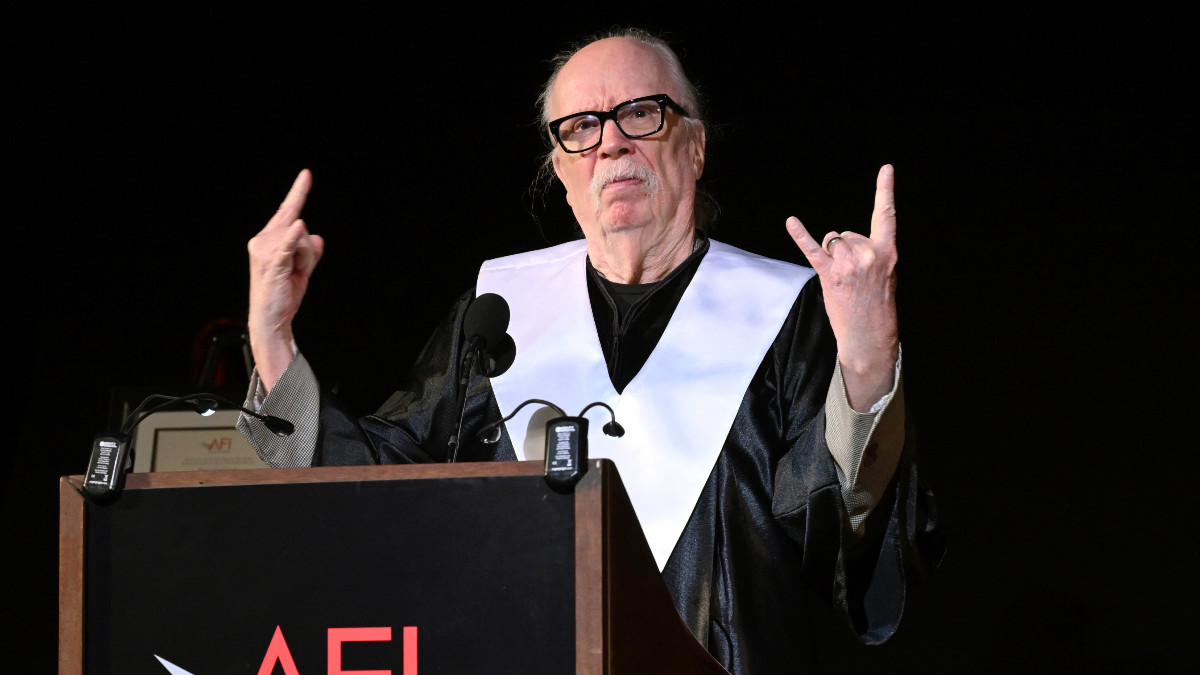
[613,143]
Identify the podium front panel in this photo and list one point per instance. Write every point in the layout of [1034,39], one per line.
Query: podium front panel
[202,576]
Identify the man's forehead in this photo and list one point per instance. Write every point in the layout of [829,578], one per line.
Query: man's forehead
[607,72]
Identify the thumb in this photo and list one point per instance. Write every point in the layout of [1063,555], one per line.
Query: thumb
[318,246]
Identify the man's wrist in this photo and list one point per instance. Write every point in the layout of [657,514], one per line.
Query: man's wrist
[272,359]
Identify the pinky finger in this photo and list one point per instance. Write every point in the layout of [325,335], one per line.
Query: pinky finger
[808,246]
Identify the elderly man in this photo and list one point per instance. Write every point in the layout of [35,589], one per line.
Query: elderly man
[765,453]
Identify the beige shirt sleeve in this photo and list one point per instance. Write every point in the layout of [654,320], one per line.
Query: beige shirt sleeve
[865,446]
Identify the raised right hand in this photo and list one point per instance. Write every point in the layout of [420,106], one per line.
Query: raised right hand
[282,258]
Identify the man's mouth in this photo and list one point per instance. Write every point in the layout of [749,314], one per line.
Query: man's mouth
[626,175]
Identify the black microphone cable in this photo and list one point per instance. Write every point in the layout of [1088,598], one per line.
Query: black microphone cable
[112,454]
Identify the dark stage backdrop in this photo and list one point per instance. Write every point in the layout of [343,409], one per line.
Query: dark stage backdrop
[1045,196]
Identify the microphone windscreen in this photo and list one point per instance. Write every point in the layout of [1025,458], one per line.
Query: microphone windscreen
[502,355]
[487,317]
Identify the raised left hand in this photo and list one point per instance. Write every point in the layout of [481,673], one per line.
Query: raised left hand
[858,277]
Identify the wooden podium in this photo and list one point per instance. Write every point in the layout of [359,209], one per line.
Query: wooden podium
[446,568]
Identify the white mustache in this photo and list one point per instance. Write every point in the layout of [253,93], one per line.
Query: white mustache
[608,172]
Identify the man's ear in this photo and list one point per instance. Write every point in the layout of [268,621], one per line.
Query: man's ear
[698,141]
[555,157]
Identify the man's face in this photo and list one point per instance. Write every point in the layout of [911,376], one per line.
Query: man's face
[655,177]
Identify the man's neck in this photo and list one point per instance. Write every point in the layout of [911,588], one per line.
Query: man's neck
[626,259]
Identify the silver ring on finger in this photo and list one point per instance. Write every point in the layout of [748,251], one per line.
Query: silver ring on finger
[829,244]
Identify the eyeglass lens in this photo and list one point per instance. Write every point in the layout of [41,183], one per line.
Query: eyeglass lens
[639,118]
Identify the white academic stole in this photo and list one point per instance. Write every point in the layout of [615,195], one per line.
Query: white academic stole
[678,409]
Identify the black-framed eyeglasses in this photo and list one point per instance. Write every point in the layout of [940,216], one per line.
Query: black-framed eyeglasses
[636,118]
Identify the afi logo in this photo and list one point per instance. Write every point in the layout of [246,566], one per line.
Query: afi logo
[220,445]
[278,652]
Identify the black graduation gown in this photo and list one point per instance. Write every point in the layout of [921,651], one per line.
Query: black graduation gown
[769,527]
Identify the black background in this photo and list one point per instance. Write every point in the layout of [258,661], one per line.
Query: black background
[1044,179]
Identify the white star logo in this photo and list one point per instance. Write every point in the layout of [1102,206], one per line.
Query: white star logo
[171,667]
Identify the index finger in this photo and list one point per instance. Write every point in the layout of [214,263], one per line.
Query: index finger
[293,203]
[883,219]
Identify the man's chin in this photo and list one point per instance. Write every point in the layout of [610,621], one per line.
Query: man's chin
[629,196]
[622,216]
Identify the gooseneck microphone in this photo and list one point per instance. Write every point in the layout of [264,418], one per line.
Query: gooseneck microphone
[489,350]
[566,442]
[112,456]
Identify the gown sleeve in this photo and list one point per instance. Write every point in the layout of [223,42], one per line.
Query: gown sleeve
[414,424]
[863,575]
